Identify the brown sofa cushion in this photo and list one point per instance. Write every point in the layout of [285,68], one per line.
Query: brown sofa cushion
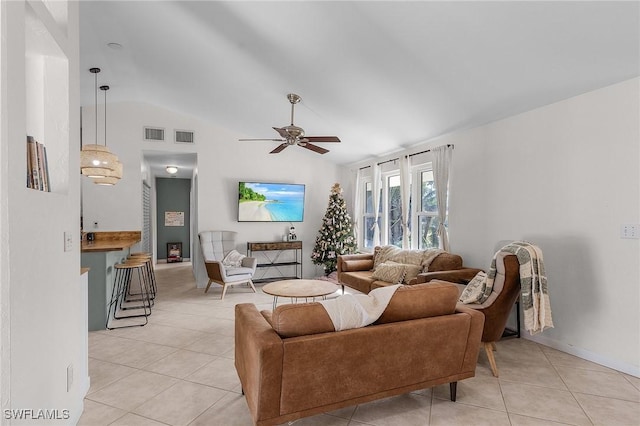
[300,320]
[357,265]
[420,301]
[360,280]
[408,303]
[446,262]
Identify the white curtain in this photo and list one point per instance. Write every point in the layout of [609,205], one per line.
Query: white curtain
[357,205]
[441,164]
[376,203]
[405,194]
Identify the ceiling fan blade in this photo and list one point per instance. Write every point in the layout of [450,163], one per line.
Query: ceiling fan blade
[270,140]
[314,148]
[282,132]
[322,138]
[279,148]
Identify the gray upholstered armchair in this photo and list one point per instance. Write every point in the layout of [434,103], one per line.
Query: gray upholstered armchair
[215,246]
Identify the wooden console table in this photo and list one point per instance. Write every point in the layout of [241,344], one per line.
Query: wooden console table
[271,259]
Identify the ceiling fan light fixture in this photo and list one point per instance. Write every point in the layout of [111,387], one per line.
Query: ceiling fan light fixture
[295,135]
[172,170]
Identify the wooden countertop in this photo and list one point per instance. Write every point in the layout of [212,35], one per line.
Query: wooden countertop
[111,241]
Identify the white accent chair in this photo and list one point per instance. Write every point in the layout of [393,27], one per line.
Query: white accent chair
[215,246]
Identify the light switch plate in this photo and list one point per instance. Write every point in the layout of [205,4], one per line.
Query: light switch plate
[630,230]
[68,241]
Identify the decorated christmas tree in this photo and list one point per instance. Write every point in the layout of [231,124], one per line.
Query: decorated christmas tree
[336,234]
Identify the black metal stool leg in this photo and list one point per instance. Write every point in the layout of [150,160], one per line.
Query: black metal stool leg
[122,284]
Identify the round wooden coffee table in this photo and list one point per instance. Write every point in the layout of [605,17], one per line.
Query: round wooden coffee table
[297,289]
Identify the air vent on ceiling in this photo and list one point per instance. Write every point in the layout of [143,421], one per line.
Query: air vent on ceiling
[184,136]
[153,134]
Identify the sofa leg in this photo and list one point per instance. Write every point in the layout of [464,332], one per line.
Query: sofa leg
[208,285]
[453,387]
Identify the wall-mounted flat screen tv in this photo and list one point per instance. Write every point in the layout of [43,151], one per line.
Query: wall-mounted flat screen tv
[270,202]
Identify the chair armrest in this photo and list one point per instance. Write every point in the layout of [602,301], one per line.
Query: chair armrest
[475,336]
[215,270]
[355,262]
[250,262]
[459,276]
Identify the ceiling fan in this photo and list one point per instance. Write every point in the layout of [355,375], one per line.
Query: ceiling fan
[294,135]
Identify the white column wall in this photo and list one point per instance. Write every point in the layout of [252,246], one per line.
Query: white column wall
[42,302]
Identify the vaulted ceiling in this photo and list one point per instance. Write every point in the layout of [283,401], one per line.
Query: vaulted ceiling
[380,75]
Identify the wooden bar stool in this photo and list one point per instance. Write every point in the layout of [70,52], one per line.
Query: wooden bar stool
[143,275]
[150,270]
[122,282]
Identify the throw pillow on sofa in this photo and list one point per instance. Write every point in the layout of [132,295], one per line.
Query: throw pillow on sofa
[411,272]
[390,272]
[394,272]
[474,291]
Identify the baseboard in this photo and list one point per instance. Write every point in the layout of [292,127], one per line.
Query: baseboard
[623,367]
[76,411]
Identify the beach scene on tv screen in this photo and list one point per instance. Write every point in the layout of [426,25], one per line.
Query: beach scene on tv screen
[270,202]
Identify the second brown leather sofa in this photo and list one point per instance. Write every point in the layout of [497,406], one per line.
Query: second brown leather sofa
[356,271]
[292,364]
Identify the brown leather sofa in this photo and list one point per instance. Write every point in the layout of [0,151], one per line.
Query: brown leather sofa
[356,271]
[292,364]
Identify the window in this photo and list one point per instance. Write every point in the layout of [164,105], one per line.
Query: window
[423,212]
[394,211]
[427,214]
[368,218]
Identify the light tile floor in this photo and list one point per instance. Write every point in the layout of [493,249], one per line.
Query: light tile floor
[178,370]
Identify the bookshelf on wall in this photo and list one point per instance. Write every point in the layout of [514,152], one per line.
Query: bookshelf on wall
[37,166]
[46,97]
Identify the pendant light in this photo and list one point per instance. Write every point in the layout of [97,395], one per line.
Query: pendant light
[116,174]
[95,160]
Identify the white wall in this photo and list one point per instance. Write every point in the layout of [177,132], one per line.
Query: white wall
[222,162]
[564,177]
[43,308]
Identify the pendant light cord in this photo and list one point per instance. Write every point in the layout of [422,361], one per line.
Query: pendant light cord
[105,88]
[96,99]
[95,72]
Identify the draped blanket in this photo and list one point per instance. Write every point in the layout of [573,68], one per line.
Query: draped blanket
[422,258]
[534,295]
[358,310]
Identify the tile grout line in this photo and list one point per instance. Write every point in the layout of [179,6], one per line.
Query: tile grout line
[567,386]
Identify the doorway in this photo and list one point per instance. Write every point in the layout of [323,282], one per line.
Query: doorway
[173,201]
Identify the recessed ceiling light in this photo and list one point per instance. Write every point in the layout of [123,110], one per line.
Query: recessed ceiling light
[172,170]
[115,46]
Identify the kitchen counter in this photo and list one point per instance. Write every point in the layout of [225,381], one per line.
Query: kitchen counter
[111,241]
[100,256]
